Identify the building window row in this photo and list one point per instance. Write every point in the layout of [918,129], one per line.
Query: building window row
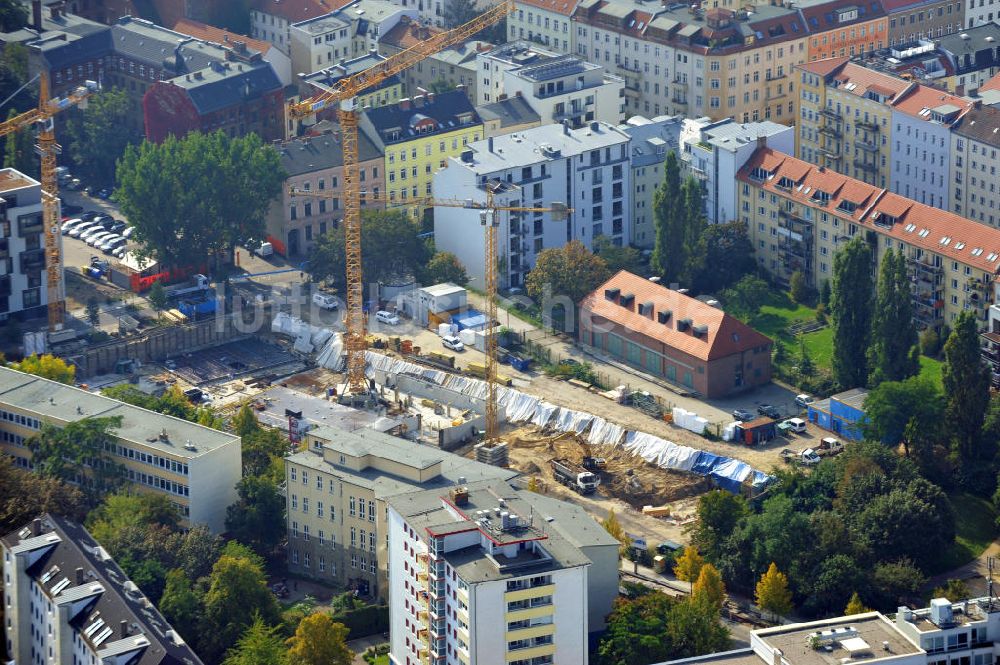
[146,458]
[18,419]
[156,482]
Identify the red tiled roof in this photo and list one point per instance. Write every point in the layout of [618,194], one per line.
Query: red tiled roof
[564,7]
[294,11]
[992,84]
[408,33]
[916,224]
[221,36]
[865,79]
[726,335]
[922,97]
[824,67]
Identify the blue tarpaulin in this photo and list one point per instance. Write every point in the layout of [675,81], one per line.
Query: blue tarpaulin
[470,320]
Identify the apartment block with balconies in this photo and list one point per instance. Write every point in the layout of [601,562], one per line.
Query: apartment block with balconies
[23,275]
[799,215]
[484,574]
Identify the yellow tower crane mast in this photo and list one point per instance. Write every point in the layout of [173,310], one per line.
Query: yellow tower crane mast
[488,219]
[48,149]
[343,94]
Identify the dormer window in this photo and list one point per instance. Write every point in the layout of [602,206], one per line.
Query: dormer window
[821,197]
[760,174]
[785,182]
[847,206]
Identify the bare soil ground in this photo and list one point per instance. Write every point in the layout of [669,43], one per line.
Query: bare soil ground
[79,290]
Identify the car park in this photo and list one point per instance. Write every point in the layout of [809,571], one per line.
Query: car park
[769,411]
[68,225]
[96,239]
[92,231]
[743,415]
[106,243]
[127,233]
[325,301]
[453,343]
[80,229]
[804,400]
[388,318]
[89,215]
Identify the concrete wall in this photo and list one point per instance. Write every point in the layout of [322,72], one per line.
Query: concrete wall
[453,437]
[602,583]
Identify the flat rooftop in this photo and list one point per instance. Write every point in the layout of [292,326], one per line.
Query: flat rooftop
[735,657]
[861,638]
[11,179]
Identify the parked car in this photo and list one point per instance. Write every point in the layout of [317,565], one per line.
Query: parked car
[829,446]
[98,238]
[107,242]
[796,425]
[325,301]
[105,193]
[89,190]
[453,343]
[80,228]
[111,246]
[118,226]
[127,233]
[743,415]
[809,457]
[769,411]
[804,400]
[388,318]
[264,250]
[84,231]
[68,225]
[120,251]
[74,184]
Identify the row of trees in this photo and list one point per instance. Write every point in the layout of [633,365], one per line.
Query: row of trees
[173,402]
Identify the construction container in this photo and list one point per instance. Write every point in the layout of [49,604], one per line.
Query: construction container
[406,346]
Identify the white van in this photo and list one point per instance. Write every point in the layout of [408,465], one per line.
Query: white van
[265,250]
[325,301]
[797,425]
[389,318]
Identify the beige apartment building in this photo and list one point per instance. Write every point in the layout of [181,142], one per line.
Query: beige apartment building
[336,492]
[975,160]
[845,118]
[196,468]
[799,215]
[548,23]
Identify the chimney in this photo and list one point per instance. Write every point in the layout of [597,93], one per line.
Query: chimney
[36,527]
[565,124]
[430,97]
[54,11]
[123,624]
[79,576]
[36,14]
[489,144]
[404,104]
[761,141]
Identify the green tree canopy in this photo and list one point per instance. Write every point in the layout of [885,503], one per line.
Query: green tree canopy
[400,250]
[48,367]
[61,453]
[319,640]
[260,644]
[19,149]
[99,135]
[25,495]
[893,405]
[895,352]
[571,270]
[719,512]
[966,386]
[722,256]
[744,298]
[258,518]
[851,309]
[619,258]
[181,605]
[668,259]
[444,267]
[194,198]
[237,597]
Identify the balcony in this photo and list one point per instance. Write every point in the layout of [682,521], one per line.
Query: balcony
[830,113]
[868,146]
[679,101]
[867,126]
[830,131]
[865,165]
[830,155]
[923,267]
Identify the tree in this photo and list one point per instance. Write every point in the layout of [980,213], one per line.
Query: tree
[194,198]
[719,512]
[773,594]
[894,582]
[237,597]
[694,629]
[261,449]
[745,297]
[930,342]
[688,565]
[99,135]
[49,367]
[693,225]
[855,606]
[668,250]
[181,605]
[616,530]
[966,382]
[61,452]
[806,366]
[722,256]
[258,518]
[442,85]
[122,510]
[444,267]
[851,310]
[25,495]
[709,587]
[93,311]
[895,353]
[19,149]
[636,631]
[825,293]
[319,641]
[157,297]
[619,258]
[914,522]
[13,15]
[570,270]
[954,590]
[798,287]
[259,644]
[245,422]
[459,12]
[893,405]
[400,250]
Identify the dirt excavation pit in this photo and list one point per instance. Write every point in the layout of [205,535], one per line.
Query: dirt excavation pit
[627,477]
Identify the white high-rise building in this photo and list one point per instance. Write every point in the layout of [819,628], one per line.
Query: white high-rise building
[586,169]
[485,574]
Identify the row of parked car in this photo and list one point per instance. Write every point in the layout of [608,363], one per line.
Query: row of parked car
[100,231]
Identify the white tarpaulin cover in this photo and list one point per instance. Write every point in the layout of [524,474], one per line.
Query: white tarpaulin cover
[572,421]
[543,414]
[603,433]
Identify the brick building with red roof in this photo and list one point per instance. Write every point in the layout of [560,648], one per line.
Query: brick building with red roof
[674,337]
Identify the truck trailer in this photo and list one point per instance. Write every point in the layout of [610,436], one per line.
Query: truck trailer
[574,476]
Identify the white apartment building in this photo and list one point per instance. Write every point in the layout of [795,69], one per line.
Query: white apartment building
[587,169]
[23,275]
[336,494]
[922,120]
[66,601]
[196,468]
[975,160]
[991,338]
[946,633]
[491,65]
[544,22]
[651,140]
[567,88]
[484,574]
[270,21]
[981,12]
[346,33]
[714,152]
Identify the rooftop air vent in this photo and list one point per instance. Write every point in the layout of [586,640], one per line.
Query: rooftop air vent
[646,308]
[627,299]
[611,294]
[663,316]
[683,324]
[700,330]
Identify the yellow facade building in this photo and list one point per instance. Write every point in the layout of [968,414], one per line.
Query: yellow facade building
[417,136]
[799,215]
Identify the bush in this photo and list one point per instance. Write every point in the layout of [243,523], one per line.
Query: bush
[930,343]
[365,621]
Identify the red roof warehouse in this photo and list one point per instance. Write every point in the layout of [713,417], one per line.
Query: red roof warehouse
[674,337]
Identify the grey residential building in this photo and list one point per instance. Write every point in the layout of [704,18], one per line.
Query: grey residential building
[651,140]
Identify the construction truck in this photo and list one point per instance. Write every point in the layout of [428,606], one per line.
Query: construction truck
[574,476]
[594,463]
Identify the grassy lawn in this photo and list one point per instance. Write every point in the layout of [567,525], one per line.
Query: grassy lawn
[975,529]
[931,369]
[382,660]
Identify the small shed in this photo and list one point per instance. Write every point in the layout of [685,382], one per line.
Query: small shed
[435,304]
[757,431]
[843,413]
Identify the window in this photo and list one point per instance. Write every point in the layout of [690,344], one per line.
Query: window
[305,477]
[371,511]
[361,509]
[319,509]
[295,502]
[351,508]
[305,504]
[354,537]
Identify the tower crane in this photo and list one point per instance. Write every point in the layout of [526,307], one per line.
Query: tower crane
[488,219]
[47,148]
[343,93]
